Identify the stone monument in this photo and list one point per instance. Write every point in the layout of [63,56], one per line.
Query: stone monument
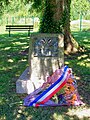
[46,54]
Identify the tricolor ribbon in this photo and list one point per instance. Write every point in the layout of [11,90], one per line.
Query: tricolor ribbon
[53,89]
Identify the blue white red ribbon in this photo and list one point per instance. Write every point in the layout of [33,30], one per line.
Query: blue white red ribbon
[53,89]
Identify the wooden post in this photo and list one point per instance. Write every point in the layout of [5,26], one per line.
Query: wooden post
[7,20]
[12,20]
[81,21]
[25,20]
[29,32]
[9,32]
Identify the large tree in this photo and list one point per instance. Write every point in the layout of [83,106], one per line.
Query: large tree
[56,19]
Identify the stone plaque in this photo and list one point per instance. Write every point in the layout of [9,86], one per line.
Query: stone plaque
[46,54]
[46,47]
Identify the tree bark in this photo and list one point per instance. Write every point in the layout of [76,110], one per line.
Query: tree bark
[61,19]
[70,44]
[59,10]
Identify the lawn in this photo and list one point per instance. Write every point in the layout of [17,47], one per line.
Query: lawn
[13,63]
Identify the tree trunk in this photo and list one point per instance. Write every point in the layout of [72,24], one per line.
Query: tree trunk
[70,44]
[59,21]
[57,9]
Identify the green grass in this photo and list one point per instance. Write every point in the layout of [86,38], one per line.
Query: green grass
[12,64]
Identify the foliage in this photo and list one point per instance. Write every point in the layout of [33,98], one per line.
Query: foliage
[37,4]
[3,3]
[17,8]
[80,7]
[9,6]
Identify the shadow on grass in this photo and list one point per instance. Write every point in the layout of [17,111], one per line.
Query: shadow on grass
[12,64]
[83,38]
[80,64]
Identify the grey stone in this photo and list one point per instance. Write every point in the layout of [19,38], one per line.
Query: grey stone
[42,61]
[23,84]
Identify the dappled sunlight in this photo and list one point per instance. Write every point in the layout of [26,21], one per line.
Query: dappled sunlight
[3,117]
[2,100]
[7,48]
[80,64]
[57,117]
[66,63]
[82,56]
[80,113]
[12,64]
[77,77]
[23,37]
[85,62]
[23,60]
[86,40]
[3,68]
[73,113]
[19,43]
[10,60]
[25,47]
[20,114]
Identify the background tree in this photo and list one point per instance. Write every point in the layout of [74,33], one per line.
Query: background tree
[80,7]
[54,15]
[56,19]
[3,3]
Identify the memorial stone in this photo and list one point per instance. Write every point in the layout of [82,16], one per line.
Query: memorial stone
[46,54]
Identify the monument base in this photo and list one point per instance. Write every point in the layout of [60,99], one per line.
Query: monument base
[25,85]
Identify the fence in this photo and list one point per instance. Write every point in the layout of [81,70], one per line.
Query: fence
[20,20]
[78,25]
